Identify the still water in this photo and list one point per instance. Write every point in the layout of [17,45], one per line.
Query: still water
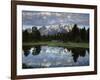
[48,56]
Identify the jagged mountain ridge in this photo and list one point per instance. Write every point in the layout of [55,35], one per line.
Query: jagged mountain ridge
[54,29]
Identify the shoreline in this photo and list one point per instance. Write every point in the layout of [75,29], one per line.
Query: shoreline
[63,44]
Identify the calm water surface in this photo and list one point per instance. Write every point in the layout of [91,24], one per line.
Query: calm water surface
[47,56]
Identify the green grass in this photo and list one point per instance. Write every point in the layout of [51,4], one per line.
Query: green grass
[64,44]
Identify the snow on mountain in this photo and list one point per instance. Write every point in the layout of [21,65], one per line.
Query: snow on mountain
[54,29]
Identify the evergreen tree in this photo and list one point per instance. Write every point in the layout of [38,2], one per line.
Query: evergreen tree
[75,34]
[83,34]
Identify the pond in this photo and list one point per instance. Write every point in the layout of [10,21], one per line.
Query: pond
[49,56]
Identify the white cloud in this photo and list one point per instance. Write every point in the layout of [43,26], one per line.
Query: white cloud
[61,20]
[45,13]
[69,17]
[58,14]
[28,13]
[44,17]
[52,22]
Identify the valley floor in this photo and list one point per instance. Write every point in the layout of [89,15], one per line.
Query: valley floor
[54,43]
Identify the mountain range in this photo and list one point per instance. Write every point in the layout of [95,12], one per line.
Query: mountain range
[53,29]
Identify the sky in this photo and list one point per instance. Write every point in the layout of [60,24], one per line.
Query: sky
[43,18]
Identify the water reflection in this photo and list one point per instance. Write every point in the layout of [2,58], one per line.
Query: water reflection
[46,56]
[77,52]
[29,49]
[36,50]
[26,50]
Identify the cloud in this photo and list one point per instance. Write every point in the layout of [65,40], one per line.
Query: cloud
[61,20]
[46,18]
[45,13]
[52,22]
[69,17]
[58,14]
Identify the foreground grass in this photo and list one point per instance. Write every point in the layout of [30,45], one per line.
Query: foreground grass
[64,44]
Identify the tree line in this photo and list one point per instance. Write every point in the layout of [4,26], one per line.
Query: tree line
[74,35]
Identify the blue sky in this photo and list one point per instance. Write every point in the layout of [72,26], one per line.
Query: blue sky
[42,18]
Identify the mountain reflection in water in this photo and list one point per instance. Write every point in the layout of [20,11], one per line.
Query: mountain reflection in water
[47,56]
